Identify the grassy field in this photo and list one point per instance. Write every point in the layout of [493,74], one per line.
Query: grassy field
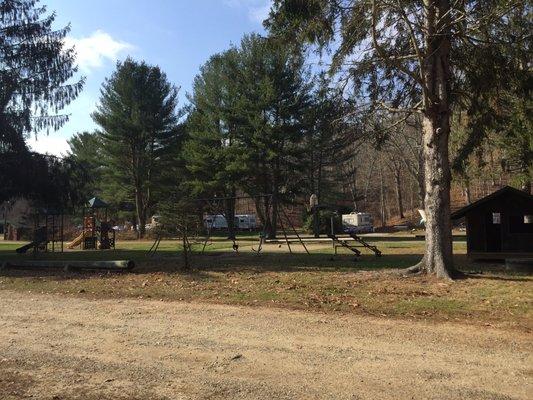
[320,281]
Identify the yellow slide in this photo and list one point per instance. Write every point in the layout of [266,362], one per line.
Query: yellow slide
[75,242]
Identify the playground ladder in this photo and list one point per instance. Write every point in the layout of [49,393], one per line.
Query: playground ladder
[344,244]
[373,248]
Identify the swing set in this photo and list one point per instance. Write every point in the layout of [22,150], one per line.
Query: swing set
[239,203]
[235,214]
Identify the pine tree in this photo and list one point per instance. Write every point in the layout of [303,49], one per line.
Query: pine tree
[273,99]
[399,57]
[327,142]
[86,150]
[495,83]
[35,67]
[139,134]
[211,147]
[247,127]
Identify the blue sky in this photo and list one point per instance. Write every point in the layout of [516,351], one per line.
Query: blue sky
[177,35]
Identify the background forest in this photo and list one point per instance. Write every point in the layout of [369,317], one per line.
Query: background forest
[263,119]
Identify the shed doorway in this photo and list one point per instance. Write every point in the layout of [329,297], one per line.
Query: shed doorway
[493,231]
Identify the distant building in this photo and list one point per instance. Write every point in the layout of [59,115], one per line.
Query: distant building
[499,225]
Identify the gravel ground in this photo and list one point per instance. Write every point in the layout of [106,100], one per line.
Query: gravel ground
[57,347]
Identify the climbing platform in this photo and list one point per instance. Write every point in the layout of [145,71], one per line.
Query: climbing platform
[366,245]
[339,242]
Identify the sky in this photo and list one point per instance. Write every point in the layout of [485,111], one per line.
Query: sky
[177,35]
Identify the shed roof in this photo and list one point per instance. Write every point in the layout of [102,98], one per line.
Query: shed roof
[96,202]
[504,190]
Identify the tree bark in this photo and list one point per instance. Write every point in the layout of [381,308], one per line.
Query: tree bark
[399,198]
[438,257]
[421,184]
[275,200]
[274,217]
[382,196]
[185,254]
[141,213]
[229,205]
[468,195]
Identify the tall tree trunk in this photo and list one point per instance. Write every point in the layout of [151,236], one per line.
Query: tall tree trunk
[525,168]
[468,194]
[382,196]
[399,198]
[141,213]
[185,254]
[352,184]
[229,210]
[275,200]
[274,217]
[438,257]
[421,181]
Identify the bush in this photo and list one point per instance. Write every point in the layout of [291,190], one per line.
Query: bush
[324,218]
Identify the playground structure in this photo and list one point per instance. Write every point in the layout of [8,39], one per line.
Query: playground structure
[97,231]
[354,248]
[243,210]
[247,220]
[48,232]
[245,215]
[351,224]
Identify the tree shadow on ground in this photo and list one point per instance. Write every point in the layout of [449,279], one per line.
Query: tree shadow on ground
[503,275]
[172,262]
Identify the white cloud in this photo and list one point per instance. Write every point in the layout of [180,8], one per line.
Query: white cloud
[45,144]
[92,51]
[257,9]
[259,14]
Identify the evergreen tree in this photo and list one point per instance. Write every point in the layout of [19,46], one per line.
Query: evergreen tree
[34,69]
[247,127]
[273,99]
[211,147]
[406,67]
[86,150]
[327,142]
[139,134]
[494,82]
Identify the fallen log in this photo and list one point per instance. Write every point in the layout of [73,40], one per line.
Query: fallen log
[115,265]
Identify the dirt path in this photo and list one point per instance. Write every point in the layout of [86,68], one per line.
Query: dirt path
[54,347]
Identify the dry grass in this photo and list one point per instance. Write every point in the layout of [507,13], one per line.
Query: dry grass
[319,282]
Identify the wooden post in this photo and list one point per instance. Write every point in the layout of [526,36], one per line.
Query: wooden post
[294,229]
[62,231]
[284,232]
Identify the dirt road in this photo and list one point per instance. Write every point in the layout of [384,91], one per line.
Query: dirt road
[54,347]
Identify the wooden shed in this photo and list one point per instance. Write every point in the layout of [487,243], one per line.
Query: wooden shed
[499,225]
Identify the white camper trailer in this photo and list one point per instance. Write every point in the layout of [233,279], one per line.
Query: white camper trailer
[241,221]
[357,223]
[215,222]
[245,222]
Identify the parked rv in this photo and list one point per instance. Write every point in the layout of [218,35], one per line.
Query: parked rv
[241,222]
[357,223]
[215,222]
[245,222]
